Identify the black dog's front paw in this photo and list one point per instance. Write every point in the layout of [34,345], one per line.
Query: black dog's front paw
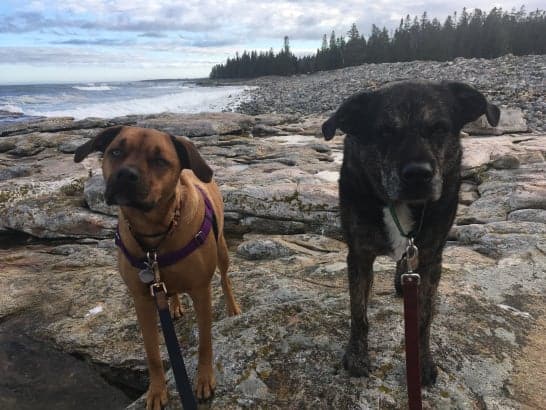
[429,373]
[357,363]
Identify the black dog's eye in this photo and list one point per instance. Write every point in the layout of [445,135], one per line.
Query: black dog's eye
[115,153]
[439,128]
[388,131]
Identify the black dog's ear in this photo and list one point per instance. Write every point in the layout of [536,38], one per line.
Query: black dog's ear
[352,116]
[472,104]
[99,143]
[191,159]
[329,128]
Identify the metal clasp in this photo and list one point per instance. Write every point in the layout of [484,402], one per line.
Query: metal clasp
[199,238]
[157,285]
[412,256]
[410,278]
[152,257]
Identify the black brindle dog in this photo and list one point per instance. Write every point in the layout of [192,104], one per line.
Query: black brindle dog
[402,150]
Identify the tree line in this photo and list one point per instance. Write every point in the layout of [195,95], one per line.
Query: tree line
[469,34]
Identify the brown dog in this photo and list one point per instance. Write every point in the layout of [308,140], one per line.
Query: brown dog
[160,183]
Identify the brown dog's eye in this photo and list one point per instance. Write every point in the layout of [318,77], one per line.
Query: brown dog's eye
[115,153]
[160,162]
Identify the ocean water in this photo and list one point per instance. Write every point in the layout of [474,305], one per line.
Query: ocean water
[108,100]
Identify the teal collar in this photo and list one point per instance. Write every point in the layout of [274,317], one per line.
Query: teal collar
[414,232]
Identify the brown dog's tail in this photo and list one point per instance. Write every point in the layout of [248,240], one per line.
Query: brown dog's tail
[223,256]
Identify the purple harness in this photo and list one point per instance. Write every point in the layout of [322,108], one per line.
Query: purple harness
[173,257]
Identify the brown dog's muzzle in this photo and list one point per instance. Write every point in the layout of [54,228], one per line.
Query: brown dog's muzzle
[125,187]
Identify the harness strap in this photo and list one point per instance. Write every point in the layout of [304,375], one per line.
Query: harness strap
[173,257]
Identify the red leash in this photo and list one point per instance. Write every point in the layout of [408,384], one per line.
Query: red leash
[410,289]
[410,286]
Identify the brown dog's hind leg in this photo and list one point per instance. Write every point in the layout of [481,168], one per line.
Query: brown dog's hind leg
[223,264]
[356,360]
[205,381]
[156,396]
[175,307]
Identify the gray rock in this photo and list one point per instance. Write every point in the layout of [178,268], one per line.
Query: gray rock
[511,121]
[507,161]
[26,149]
[321,148]
[528,215]
[40,125]
[16,171]
[68,147]
[262,249]
[6,145]
[253,387]
[263,225]
[93,191]
[196,125]
[261,129]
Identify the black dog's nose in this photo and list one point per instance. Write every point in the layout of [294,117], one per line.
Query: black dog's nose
[417,172]
[128,175]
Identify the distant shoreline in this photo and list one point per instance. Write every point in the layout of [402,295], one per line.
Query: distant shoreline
[512,81]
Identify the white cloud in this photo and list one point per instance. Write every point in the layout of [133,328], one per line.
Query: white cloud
[303,19]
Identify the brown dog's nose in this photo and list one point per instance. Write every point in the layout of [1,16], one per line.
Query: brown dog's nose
[127,174]
[417,172]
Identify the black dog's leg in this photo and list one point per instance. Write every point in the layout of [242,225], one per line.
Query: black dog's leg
[356,359]
[430,276]
[400,269]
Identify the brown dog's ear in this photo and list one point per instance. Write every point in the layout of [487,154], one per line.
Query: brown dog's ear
[353,116]
[99,143]
[191,159]
[472,104]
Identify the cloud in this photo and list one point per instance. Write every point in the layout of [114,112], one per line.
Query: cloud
[95,42]
[235,19]
[152,34]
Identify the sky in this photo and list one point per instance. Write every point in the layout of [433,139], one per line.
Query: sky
[49,41]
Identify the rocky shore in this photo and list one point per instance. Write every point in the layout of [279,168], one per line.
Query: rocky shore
[512,81]
[61,290]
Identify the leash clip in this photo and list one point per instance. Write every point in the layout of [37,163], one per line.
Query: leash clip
[410,278]
[157,286]
[412,256]
[412,263]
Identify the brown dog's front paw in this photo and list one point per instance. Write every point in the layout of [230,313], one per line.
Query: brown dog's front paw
[356,363]
[429,373]
[234,310]
[205,383]
[175,307]
[156,397]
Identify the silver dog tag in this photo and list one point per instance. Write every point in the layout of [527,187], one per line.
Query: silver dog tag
[146,275]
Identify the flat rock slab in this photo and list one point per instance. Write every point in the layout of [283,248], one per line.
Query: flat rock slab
[198,125]
[511,121]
